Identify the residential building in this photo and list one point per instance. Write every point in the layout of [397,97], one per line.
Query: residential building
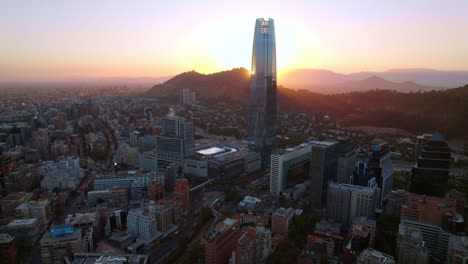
[437,218]
[262,113]
[394,202]
[60,242]
[246,248]
[115,221]
[281,221]
[12,200]
[263,242]
[40,209]
[457,250]
[26,231]
[411,247]
[8,249]
[155,190]
[163,215]
[220,241]
[326,238]
[125,178]
[182,192]
[64,174]
[141,223]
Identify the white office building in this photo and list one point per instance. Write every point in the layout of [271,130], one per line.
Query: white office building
[142,224]
[281,163]
[345,202]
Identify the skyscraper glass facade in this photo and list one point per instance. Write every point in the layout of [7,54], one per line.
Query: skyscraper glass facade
[262,103]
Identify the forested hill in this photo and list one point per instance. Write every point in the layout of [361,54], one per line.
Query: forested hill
[445,111]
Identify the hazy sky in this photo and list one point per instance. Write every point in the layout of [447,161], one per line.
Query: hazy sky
[105,38]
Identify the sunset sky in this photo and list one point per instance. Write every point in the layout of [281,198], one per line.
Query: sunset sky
[41,39]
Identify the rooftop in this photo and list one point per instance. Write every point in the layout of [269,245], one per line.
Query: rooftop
[60,232]
[16,196]
[93,258]
[375,256]
[6,238]
[283,212]
[21,222]
[220,228]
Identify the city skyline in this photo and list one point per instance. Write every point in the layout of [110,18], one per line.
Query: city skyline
[53,40]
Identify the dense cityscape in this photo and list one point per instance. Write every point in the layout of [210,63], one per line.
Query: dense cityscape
[96,175]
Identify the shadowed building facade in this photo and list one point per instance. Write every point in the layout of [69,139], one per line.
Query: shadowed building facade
[430,175]
[262,95]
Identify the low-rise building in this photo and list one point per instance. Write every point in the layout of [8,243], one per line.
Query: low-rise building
[60,242]
[13,200]
[26,231]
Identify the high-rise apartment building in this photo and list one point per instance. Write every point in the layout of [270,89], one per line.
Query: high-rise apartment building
[430,175]
[345,202]
[323,168]
[262,96]
[220,241]
[60,242]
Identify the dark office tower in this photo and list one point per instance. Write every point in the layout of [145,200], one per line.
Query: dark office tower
[323,167]
[361,175]
[381,167]
[262,101]
[431,173]
[346,160]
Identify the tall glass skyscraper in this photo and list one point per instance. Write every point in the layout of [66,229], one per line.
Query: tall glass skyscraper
[262,103]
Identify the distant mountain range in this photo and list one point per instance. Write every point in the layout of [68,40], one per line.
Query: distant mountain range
[403,80]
